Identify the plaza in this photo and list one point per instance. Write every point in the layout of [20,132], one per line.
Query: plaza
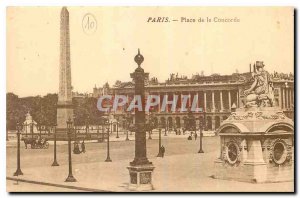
[182,168]
[241,139]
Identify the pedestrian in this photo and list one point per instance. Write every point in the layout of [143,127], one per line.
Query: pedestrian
[162,148]
[196,135]
[83,147]
[76,148]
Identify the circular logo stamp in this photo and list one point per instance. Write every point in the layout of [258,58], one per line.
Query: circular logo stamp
[89,23]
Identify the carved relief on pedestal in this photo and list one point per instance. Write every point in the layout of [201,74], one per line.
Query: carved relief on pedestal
[231,151]
[280,152]
[258,115]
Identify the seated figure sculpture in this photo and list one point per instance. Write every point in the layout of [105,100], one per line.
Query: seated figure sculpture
[261,91]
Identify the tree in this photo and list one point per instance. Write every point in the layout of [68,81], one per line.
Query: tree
[43,110]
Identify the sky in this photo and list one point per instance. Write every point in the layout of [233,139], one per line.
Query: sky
[106,55]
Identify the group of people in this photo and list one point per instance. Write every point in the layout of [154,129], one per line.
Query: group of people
[191,134]
[178,131]
[76,149]
[39,140]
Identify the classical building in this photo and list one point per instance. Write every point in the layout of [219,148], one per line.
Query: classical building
[217,95]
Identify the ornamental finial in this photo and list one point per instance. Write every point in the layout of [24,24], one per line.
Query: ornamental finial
[139,58]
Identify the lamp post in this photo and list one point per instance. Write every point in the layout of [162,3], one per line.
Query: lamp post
[55,161]
[18,171]
[117,129]
[159,143]
[70,177]
[127,138]
[103,122]
[111,127]
[127,127]
[201,126]
[140,169]
[108,154]
[127,118]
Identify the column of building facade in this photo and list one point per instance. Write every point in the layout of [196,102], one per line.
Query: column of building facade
[290,97]
[286,93]
[293,97]
[286,98]
[237,98]
[221,100]
[197,95]
[283,98]
[279,98]
[180,101]
[205,105]
[229,99]
[166,96]
[213,122]
[190,99]
[174,101]
[213,101]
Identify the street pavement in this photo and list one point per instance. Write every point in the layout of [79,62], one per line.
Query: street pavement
[182,168]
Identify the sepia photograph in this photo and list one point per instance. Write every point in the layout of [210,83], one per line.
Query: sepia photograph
[150,99]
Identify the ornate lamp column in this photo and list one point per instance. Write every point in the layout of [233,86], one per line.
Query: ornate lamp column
[140,169]
[159,143]
[108,154]
[70,177]
[201,124]
[127,125]
[117,129]
[18,171]
[55,161]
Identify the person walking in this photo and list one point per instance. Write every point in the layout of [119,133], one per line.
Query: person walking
[76,148]
[162,148]
[83,147]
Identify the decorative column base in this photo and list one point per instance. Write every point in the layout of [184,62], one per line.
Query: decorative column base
[18,172]
[140,177]
[70,178]
[55,163]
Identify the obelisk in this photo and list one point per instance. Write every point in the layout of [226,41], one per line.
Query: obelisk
[64,104]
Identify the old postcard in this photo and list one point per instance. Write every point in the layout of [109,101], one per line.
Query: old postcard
[150,99]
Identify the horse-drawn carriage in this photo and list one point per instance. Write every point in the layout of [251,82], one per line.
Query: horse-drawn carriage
[36,143]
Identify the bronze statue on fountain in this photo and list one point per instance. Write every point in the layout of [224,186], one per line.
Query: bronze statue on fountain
[261,91]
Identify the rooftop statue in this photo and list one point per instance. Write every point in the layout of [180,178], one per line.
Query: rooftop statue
[261,91]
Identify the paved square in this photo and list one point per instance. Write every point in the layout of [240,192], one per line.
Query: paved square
[182,168]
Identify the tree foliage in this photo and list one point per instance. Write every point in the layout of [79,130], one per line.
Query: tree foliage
[43,110]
